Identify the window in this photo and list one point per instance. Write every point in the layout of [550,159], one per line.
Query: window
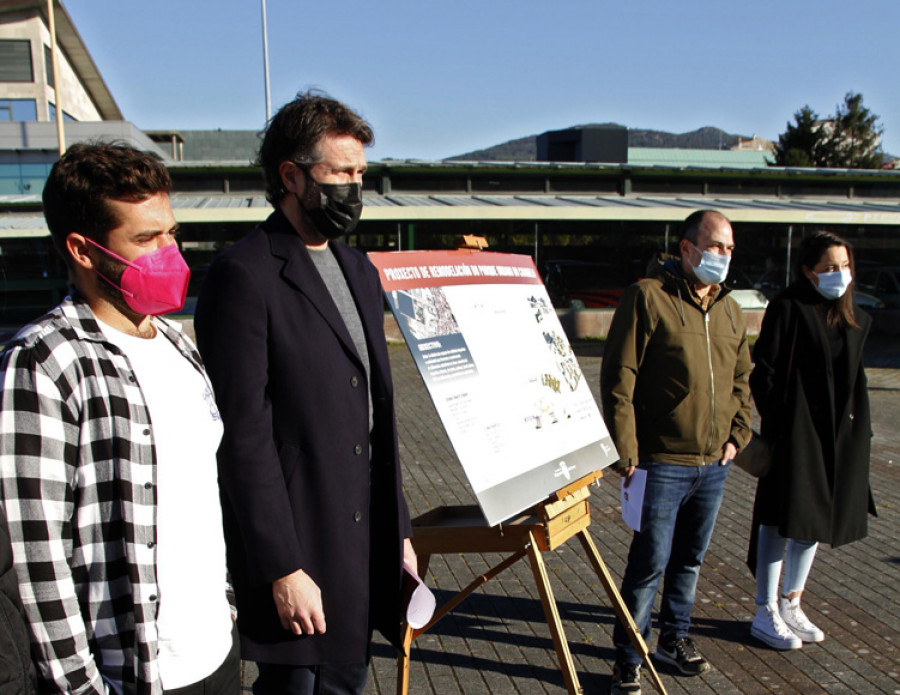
[22,177]
[52,109]
[34,176]
[18,110]
[10,179]
[15,61]
[48,67]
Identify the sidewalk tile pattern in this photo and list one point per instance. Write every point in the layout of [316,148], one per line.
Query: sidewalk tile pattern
[498,642]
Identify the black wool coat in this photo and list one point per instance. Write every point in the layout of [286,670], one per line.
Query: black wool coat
[299,489]
[818,488]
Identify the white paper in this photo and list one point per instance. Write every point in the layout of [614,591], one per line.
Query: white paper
[421,603]
[633,498]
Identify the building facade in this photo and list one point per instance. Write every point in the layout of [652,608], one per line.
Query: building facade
[590,226]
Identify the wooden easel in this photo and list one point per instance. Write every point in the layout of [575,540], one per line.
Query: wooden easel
[546,526]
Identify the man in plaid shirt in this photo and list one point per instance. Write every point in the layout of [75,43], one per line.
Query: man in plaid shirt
[108,434]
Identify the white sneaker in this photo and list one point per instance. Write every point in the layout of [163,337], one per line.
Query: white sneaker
[769,627]
[799,624]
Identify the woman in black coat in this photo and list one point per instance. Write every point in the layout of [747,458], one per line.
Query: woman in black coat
[810,389]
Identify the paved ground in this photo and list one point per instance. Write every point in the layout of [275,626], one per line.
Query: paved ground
[497,641]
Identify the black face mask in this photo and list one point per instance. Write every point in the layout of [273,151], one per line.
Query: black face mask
[339,208]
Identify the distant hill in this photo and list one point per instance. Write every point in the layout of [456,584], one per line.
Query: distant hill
[525,149]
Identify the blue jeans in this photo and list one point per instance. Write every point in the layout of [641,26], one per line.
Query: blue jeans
[770,556]
[677,519]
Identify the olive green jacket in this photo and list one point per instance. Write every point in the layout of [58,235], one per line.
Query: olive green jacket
[674,377]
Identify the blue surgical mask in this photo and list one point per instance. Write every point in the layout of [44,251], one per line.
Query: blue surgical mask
[833,285]
[713,268]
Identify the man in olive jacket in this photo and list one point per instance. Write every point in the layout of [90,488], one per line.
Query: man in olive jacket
[676,399]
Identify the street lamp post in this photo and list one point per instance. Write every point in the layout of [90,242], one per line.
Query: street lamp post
[54,57]
[265,38]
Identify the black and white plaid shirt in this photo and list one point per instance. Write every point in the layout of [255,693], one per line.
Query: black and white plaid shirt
[78,479]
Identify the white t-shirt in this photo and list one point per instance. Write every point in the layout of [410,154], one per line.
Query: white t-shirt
[194,620]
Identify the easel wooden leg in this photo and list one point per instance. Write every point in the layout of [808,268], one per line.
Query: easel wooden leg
[553,523]
[403,661]
[563,654]
[615,598]
[410,635]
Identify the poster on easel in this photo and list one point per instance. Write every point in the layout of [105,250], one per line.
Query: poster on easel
[500,371]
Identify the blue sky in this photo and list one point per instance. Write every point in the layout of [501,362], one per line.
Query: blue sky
[439,78]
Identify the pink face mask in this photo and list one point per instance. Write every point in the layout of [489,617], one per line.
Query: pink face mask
[153,284]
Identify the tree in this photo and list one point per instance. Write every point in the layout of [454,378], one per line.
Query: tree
[801,144]
[855,138]
[851,139]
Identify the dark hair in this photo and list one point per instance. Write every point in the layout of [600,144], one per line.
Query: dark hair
[294,134]
[86,177]
[812,248]
[690,228]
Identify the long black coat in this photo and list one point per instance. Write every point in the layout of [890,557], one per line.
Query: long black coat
[818,488]
[294,465]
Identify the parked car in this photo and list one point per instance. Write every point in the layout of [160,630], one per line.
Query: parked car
[881,282]
[585,284]
[750,299]
[865,300]
[771,282]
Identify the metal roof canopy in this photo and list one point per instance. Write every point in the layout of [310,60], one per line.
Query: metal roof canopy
[225,208]
[712,166]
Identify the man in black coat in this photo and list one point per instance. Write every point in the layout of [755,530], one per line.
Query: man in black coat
[290,324]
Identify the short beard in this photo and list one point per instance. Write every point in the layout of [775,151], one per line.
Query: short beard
[112,271]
